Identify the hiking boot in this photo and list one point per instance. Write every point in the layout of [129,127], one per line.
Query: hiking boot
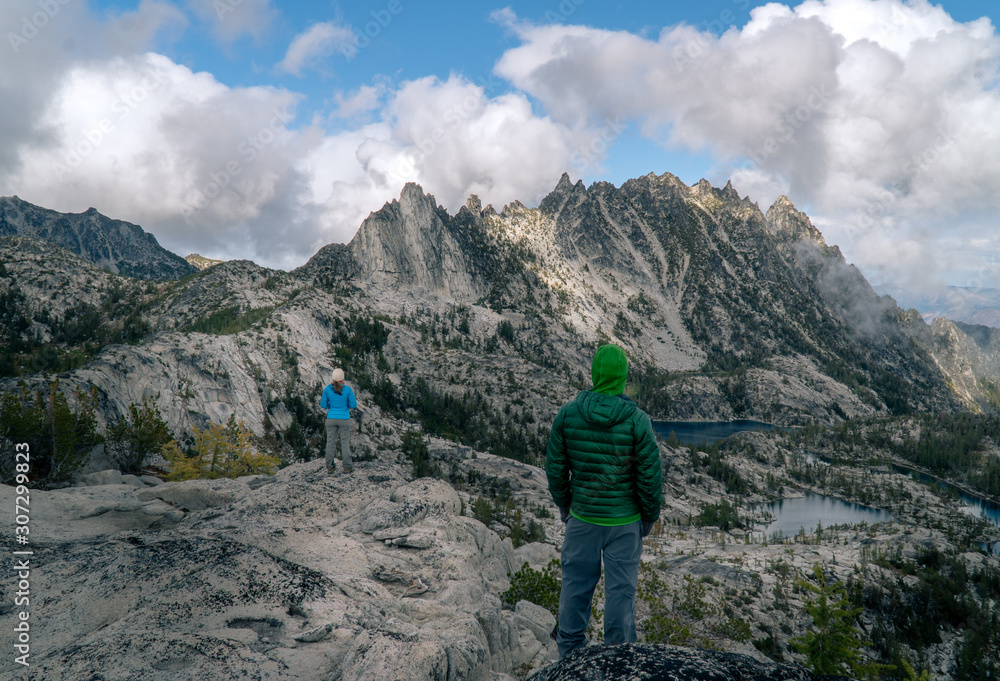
[348,469]
[330,470]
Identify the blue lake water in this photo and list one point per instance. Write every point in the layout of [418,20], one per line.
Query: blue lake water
[706,432]
[973,505]
[791,515]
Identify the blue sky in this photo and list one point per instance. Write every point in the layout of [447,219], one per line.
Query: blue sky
[261,129]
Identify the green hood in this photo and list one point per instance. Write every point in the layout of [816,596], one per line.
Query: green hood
[604,410]
[609,370]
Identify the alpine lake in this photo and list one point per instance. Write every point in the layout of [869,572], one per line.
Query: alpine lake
[807,512]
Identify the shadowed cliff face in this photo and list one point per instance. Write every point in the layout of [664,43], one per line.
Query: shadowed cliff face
[114,245]
[644,662]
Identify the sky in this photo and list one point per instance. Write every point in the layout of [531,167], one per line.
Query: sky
[264,130]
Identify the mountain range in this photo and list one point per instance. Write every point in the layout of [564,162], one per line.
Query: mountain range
[466,332]
[726,312]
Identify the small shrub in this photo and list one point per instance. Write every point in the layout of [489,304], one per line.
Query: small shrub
[219,452]
[685,617]
[416,451]
[540,587]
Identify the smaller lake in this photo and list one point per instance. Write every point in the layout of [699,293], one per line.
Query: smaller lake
[706,432]
[791,515]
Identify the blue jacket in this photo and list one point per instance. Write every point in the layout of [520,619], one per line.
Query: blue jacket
[337,405]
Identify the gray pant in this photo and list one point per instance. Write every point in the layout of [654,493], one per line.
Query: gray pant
[583,547]
[338,428]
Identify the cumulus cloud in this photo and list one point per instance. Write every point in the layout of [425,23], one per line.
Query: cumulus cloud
[449,136]
[366,98]
[43,42]
[875,115]
[230,172]
[319,41]
[196,162]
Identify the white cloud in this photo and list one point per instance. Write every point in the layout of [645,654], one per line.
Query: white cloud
[231,19]
[448,136]
[877,115]
[42,44]
[316,43]
[226,171]
[366,98]
[151,22]
[203,166]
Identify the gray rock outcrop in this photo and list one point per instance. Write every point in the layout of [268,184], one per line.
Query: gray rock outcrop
[276,578]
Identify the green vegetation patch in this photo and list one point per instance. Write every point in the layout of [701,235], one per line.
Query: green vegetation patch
[229,320]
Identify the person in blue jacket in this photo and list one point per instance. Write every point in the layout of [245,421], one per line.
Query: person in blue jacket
[338,399]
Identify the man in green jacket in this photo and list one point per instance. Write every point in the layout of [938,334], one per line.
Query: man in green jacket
[603,468]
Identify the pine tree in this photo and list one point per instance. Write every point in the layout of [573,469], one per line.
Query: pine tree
[136,436]
[834,646]
[59,436]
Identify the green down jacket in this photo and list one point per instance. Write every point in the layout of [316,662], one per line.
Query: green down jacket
[603,461]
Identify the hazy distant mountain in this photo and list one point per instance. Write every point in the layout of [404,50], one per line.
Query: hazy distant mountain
[114,245]
[958,303]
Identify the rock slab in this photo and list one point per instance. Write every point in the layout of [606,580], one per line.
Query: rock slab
[649,662]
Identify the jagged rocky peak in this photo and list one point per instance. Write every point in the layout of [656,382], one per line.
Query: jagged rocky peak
[666,188]
[785,221]
[564,193]
[474,207]
[413,242]
[702,188]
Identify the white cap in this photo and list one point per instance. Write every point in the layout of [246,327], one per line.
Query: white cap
[338,375]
